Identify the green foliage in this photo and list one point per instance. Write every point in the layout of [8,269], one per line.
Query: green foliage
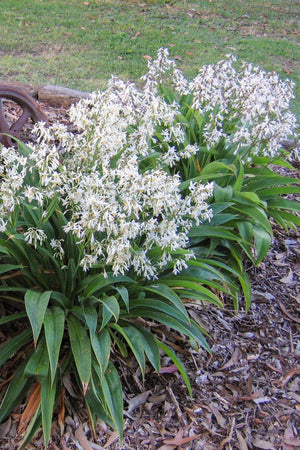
[74,319]
[84,305]
[247,195]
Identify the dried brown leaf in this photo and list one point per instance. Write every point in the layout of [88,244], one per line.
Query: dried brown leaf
[242,442]
[31,407]
[233,360]
[61,412]
[288,279]
[5,427]
[289,376]
[83,441]
[260,443]
[283,308]
[113,437]
[69,386]
[288,434]
[220,419]
[293,441]
[138,400]
[167,447]
[179,439]
[169,369]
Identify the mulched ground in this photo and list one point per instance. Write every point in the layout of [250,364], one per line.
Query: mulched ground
[246,392]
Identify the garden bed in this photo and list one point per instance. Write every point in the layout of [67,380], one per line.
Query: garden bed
[246,393]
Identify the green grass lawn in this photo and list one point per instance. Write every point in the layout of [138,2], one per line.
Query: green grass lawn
[79,44]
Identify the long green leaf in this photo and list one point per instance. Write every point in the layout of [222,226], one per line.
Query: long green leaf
[271,180]
[262,243]
[133,339]
[54,322]
[124,295]
[16,391]
[94,400]
[180,283]
[48,390]
[91,318]
[94,283]
[150,346]
[158,305]
[12,317]
[283,203]
[171,322]
[38,364]
[81,349]
[165,291]
[211,231]
[111,308]
[101,345]
[9,267]
[168,351]
[113,395]
[13,345]
[36,304]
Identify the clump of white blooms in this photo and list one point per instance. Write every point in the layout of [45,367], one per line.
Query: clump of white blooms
[119,209]
[248,107]
[118,213]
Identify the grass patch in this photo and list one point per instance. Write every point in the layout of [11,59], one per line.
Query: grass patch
[80,44]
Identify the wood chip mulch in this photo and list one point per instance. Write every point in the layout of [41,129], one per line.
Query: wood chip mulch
[246,393]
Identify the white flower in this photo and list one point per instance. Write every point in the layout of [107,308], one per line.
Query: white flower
[34,235]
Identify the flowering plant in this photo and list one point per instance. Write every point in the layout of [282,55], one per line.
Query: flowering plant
[232,122]
[151,201]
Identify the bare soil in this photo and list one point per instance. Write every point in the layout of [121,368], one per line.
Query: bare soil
[246,393]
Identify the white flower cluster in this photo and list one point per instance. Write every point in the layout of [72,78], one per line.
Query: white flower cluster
[122,214]
[248,107]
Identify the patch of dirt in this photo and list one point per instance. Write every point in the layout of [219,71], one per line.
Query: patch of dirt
[246,393]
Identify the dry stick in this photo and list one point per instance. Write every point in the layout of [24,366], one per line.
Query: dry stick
[229,438]
[179,413]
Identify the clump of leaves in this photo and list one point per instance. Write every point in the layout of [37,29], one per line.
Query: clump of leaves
[84,235]
[156,199]
[234,122]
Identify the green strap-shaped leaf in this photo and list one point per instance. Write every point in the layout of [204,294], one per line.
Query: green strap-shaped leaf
[210,232]
[150,346]
[38,364]
[165,291]
[48,389]
[185,283]
[158,305]
[168,351]
[81,349]
[54,322]
[284,203]
[13,345]
[94,400]
[12,317]
[94,283]
[101,345]
[262,242]
[111,308]
[16,391]
[113,395]
[178,325]
[36,304]
[8,267]
[133,339]
[91,318]
[124,295]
